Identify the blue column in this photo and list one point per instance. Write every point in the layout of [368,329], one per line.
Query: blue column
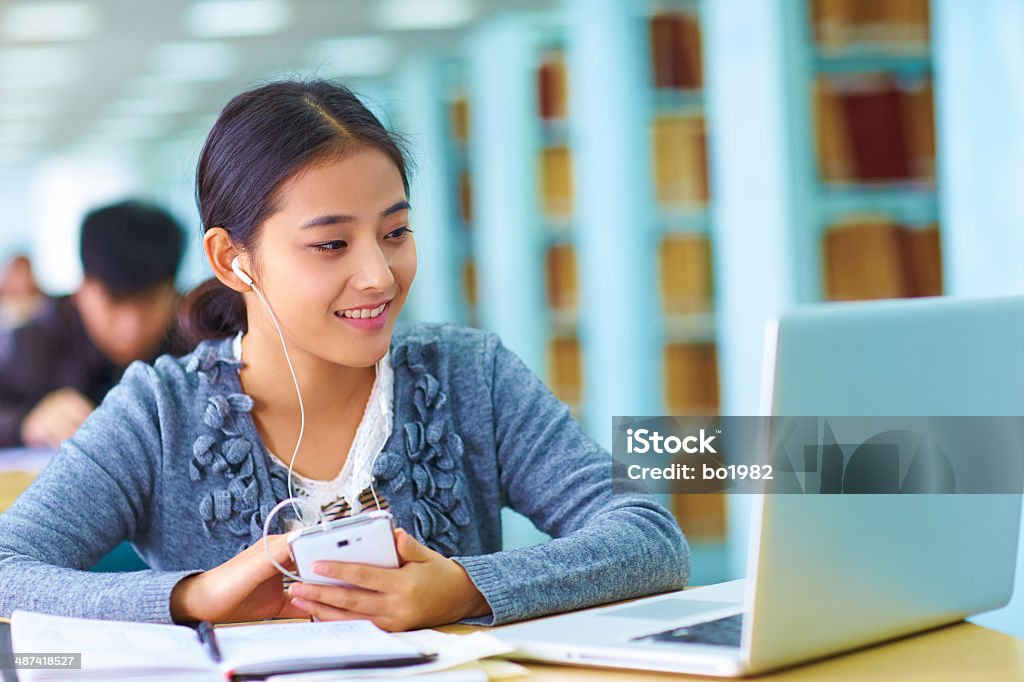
[979,91]
[620,318]
[753,184]
[422,117]
[503,163]
[508,244]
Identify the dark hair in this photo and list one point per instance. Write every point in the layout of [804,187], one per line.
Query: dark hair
[130,247]
[261,139]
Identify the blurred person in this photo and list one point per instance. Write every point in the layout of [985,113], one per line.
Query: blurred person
[20,296]
[57,367]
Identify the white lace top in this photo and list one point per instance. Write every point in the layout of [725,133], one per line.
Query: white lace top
[371,435]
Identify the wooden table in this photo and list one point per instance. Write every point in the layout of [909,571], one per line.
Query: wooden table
[955,653]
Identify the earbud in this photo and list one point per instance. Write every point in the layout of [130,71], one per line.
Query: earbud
[237,267]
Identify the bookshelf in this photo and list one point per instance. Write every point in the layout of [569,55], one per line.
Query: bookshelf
[871,102]
[506,238]
[556,196]
[673,252]
[787,189]
[415,105]
[681,184]
[681,188]
[457,135]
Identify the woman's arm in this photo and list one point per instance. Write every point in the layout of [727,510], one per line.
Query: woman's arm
[605,547]
[97,492]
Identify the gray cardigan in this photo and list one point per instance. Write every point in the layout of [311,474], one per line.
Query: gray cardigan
[172,461]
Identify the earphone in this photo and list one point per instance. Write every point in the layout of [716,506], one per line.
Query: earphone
[236,267]
[240,273]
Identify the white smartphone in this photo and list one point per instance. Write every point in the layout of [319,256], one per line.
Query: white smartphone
[367,538]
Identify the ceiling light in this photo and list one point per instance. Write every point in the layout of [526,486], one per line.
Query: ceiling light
[18,133]
[414,15]
[12,156]
[233,18]
[130,127]
[199,61]
[352,57]
[24,109]
[38,66]
[153,105]
[152,86]
[49,20]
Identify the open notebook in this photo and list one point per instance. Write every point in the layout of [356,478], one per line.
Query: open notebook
[114,649]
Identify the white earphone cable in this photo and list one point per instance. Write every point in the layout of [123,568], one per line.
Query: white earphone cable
[266,547]
[266,542]
[302,410]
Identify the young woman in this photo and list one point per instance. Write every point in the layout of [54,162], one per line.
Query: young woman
[303,186]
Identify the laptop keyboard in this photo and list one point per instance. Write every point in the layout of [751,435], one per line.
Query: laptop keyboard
[722,632]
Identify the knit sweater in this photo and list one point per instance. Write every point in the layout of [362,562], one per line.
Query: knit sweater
[172,461]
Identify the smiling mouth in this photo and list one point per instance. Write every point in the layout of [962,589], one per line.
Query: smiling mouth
[363,313]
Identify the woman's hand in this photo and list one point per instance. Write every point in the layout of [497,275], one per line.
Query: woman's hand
[427,590]
[246,587]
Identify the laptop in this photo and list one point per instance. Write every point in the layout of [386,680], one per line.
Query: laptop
[831,573]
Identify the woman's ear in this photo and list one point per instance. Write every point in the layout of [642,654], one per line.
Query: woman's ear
[220,251]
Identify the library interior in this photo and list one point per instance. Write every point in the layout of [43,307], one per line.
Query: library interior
[625,191]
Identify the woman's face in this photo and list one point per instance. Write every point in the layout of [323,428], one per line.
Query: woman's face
[338,258]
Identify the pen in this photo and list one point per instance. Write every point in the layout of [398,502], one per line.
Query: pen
[209,640]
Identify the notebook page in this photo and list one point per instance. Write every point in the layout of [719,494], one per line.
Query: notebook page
[107,645]
[247,645]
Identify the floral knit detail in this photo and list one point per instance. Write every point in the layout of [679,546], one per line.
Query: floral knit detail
[220,451]
[430,462]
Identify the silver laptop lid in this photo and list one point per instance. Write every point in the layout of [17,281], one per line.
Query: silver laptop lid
[835,572]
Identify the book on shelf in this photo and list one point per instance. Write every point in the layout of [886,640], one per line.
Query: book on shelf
[862,260]
[922,254]
[556,181]
[562,277]
[873,119]
[842,24]
[458,112]
[685,273]
[691,378]
[872,257]
[835,157]
[466,197]
[874,128]
[565,369]
[680,160]
[553,86]
[702,516]
[676,59]
[918,107]
[469,281]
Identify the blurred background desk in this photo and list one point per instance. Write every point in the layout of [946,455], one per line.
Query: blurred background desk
[18,468]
